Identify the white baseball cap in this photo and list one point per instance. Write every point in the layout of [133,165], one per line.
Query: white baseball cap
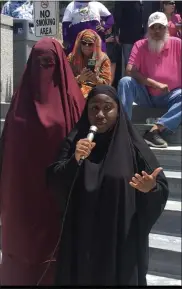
[157,18]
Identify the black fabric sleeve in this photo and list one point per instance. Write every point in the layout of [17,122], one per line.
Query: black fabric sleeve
[151,205]
[61,173]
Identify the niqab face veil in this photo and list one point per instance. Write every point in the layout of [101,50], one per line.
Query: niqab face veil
[108,222]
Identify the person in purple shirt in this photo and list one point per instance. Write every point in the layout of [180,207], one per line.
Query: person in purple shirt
[81,15]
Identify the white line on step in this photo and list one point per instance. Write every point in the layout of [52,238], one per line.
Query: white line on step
[154,280]
[165,242]
[173,175]
[173,206]
[169,148]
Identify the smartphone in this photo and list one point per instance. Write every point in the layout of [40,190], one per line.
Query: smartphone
[91,64]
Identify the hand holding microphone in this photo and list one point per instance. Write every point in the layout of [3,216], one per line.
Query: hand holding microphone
[85,146]
[83,149]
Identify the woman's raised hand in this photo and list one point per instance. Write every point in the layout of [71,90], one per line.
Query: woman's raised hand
[145,183]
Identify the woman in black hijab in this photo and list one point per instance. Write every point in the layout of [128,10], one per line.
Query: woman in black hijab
[118,194]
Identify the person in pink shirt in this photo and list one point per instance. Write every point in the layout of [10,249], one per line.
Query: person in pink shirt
[174,20]
[154,78]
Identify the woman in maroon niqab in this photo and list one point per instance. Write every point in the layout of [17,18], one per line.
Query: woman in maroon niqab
[43,110]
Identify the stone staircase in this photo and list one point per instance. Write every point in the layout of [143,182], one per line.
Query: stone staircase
[165,238]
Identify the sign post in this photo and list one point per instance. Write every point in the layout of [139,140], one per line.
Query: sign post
[46,18]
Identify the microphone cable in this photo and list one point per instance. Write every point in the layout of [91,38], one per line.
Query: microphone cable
[62,226]
[92,131]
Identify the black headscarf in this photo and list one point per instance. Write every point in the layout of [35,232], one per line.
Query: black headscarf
[106,231]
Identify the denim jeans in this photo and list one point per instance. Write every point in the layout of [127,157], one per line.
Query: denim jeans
[126,52]
[129,91]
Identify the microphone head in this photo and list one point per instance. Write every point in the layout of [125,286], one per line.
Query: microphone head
[93,129]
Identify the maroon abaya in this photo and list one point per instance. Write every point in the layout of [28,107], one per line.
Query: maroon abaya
[43,111]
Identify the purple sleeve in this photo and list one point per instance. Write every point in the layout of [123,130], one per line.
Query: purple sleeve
[109,21]
[65,31]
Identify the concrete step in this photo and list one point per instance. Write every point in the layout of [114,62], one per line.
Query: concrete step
[165,256]
[169,222]
[165,263]
[165,245]
[165,242]
[169,158]
[4,106]
[173,139]
[175,186]
[173,206]
[140,114]
[154,280]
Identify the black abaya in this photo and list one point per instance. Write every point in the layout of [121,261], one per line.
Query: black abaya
[105,236]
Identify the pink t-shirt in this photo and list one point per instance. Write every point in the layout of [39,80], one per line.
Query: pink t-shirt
[175,18]
[164,67]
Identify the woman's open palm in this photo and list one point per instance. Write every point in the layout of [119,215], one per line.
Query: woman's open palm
[145,183]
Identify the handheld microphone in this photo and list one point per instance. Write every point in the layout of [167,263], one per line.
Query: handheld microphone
[92,131]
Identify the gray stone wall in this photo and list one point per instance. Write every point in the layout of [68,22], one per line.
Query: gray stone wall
[6,60]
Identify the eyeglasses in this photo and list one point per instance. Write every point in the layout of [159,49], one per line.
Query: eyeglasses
[87,43]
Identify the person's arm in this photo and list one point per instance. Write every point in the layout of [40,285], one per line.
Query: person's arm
[151,205]
[133,69]
[106,19]
[105,76]
[108,22]
[61,173]
[103,11]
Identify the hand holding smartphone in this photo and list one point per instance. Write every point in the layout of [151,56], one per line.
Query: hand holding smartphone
[91,64]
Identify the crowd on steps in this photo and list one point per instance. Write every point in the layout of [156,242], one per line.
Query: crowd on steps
[74,210]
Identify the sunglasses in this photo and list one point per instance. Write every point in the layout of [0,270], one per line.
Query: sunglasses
[170,3]
[87,43]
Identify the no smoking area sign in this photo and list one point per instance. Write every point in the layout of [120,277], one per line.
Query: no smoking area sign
[46,18]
